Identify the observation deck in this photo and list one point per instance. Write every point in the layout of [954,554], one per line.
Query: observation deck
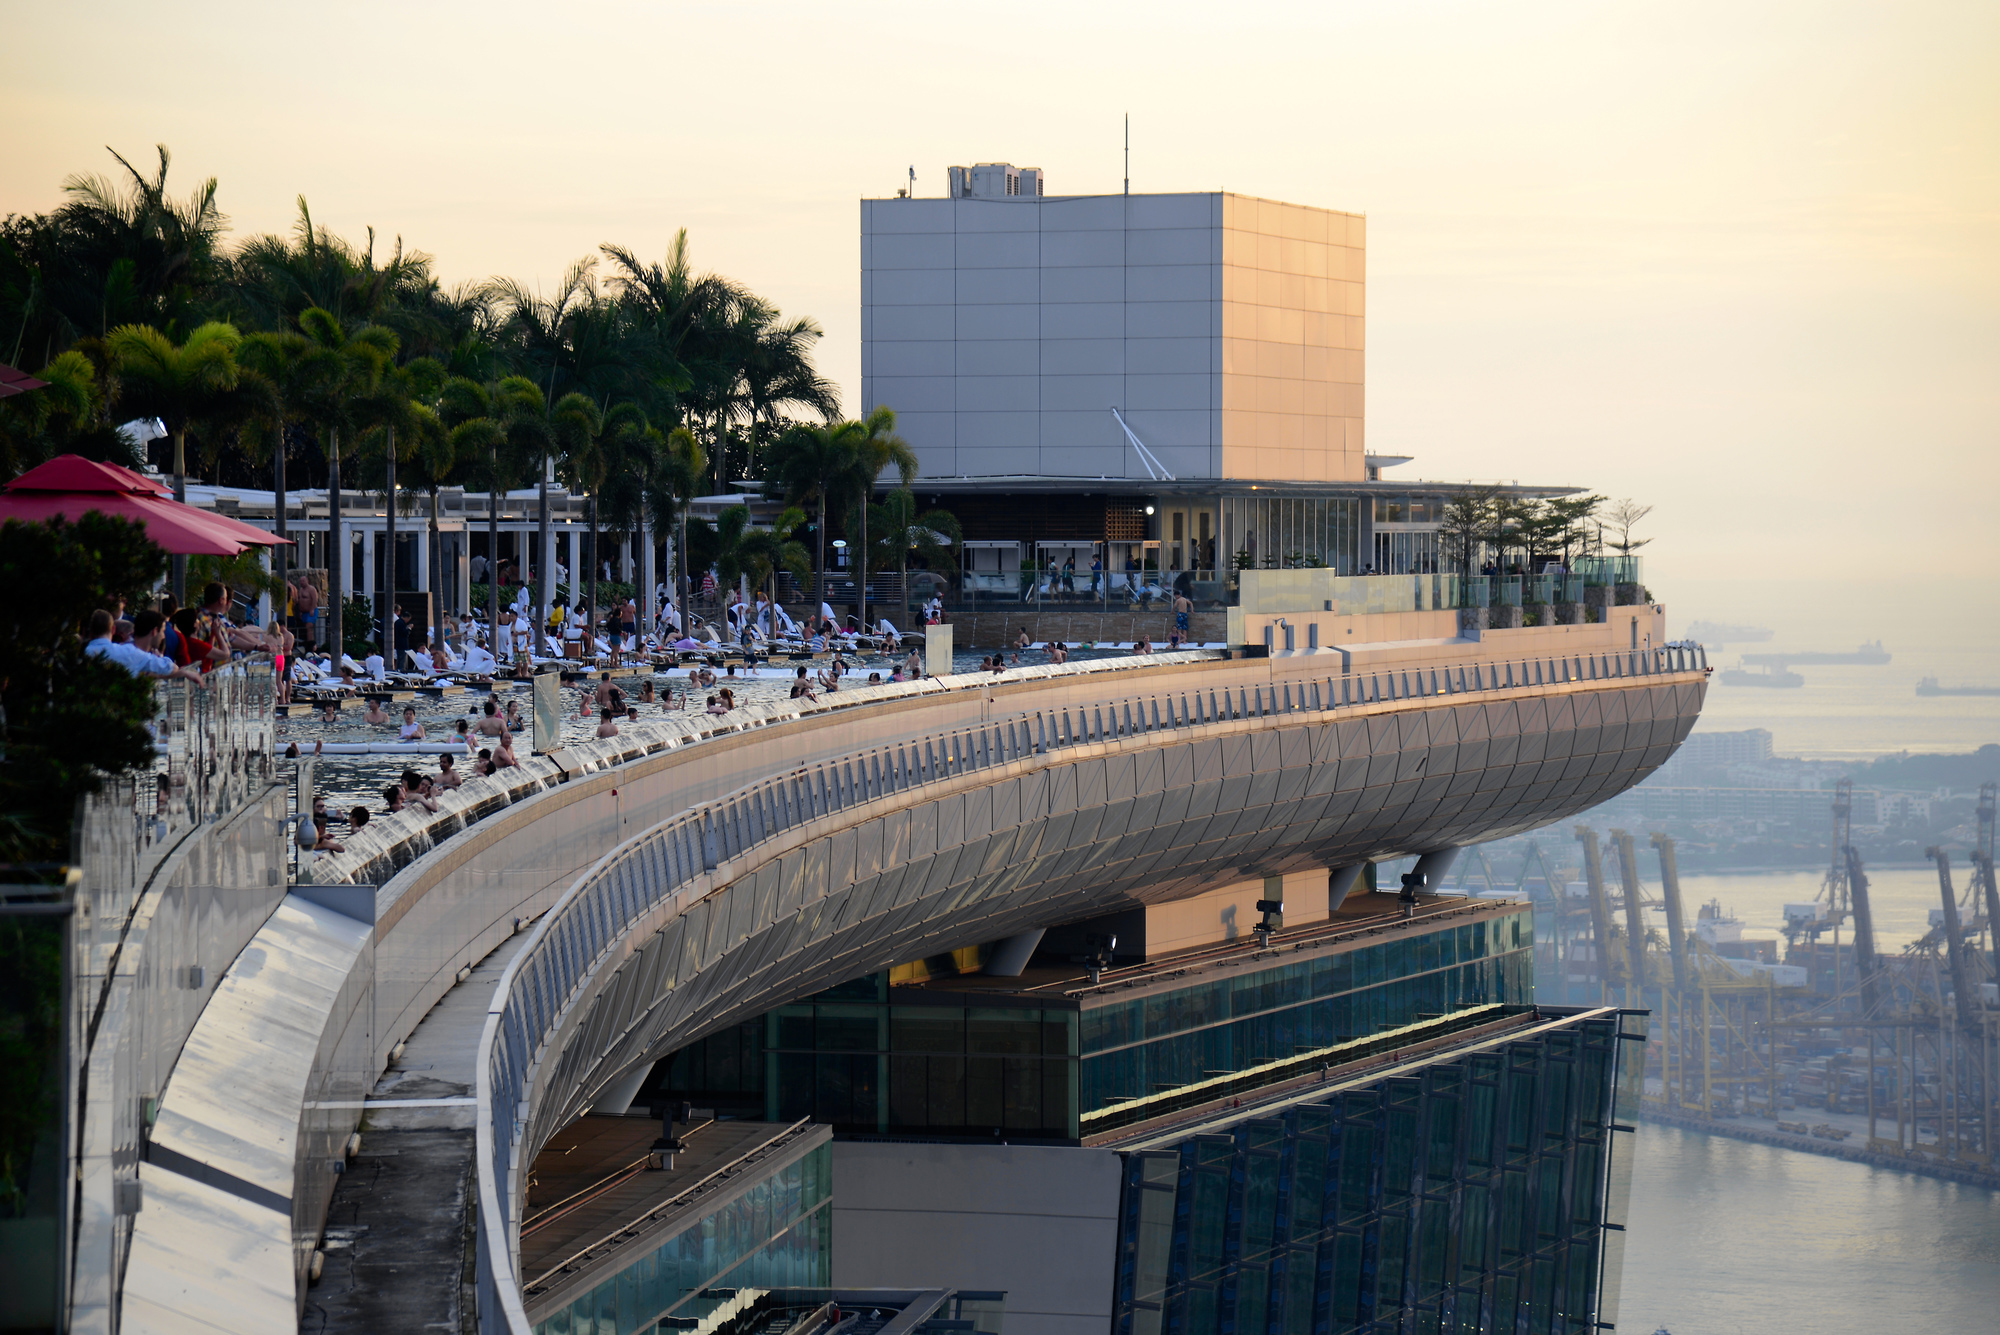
[690,873]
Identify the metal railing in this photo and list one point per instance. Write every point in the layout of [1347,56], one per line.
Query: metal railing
[577,934]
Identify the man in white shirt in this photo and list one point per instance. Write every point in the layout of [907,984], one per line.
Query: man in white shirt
[142,657]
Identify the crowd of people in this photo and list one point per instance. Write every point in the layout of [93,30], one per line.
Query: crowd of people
[168,641]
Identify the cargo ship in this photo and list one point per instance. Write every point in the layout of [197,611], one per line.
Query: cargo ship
[1768,677]
[1929,686]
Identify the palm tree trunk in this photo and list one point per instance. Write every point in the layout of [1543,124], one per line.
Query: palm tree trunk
[180,495]
[436,564]
[861,583]
[336,554]
[544,558]
[819,585]
[278,561]
[387,619]
[493,561]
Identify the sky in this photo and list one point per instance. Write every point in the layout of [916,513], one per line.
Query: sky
[1740,262]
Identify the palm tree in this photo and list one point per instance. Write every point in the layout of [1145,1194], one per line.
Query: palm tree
[66,416]
[630,451]
[811,463]
[297,370]
[177,383]
[576,424]
[876,447]
[674,484]
[933,536]
[499,425]
[350,400]
[274,281]
[542,333]
[116,252]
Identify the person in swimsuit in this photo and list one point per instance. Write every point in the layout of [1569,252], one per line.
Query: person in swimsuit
[375,716]
[411,731]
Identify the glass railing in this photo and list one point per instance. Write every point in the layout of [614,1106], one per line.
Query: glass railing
[1598,571]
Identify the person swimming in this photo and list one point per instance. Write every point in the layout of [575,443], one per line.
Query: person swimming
[412,730]
[375,715]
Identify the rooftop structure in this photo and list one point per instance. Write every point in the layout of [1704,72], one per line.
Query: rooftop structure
[1227,332]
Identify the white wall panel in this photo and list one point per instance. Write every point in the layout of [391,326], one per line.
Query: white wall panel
[908,322]
[1090,282]
[1100,393]
[1040,1222]
[1082,319]
[998,460]
[1016,320]
[915,393]
[1170,356]
[1170,319]
[900,357]
[1066,249]
[1167,282]
[998,430]
[996,286]
[1167,391]
[912,287]
[1170,245]
[907,215]
[1010,356]
[998,250]
[912,250]
[1083,356]
[998,393]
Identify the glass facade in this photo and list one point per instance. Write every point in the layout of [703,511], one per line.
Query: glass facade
[1132,1049]
[870,1058]
[776,1234]
[1291,532]
[854,1059]
[1472,1196]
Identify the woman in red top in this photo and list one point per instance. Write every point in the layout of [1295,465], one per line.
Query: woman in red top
[185,648]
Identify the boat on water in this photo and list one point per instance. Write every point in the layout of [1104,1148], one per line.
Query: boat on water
[1929,686]
[1718,633]
[1770,676]
[1872,655]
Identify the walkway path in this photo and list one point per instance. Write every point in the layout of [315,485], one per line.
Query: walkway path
[409,1267]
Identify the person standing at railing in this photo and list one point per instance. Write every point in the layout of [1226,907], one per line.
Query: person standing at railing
[142,657]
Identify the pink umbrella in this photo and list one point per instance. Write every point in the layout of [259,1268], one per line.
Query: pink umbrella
[71,485]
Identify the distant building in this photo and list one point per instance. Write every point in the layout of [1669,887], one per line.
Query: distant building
[1747,747]
[1169,384]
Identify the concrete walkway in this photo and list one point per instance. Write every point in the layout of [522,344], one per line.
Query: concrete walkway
[399,1229]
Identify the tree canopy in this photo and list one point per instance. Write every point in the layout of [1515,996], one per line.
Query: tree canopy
[132,300]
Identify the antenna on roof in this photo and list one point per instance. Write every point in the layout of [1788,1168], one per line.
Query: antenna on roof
[913,182]
[1128,152]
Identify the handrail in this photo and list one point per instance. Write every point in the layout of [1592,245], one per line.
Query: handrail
[632,880]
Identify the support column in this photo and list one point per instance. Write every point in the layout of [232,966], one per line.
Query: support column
[649,579]
[1340,882]
[575,562]
[1010,956]
[1433,867]
[368,565]
[423,540]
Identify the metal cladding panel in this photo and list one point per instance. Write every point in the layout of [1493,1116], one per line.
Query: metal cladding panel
[207,1262]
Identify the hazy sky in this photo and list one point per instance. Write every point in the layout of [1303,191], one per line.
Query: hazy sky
[1741,261]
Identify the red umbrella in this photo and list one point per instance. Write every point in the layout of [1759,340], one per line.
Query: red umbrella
[14,382]
[71,485]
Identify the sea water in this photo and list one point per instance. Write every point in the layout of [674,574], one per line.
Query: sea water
[1726,1237]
